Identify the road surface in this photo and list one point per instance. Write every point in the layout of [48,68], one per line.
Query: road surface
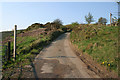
[58,60]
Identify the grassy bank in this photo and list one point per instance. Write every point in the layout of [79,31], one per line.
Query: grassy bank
[27,48]
[100,42]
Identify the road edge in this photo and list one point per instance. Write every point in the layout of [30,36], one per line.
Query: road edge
[96,67]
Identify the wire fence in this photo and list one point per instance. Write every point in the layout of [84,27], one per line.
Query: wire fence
[6,52]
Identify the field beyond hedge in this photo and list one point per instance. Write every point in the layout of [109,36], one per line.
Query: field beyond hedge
[100,42]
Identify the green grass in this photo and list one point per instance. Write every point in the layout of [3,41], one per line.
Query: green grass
[101,46]
[27,46]
[27,49]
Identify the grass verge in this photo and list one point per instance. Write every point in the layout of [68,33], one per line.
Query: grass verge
[27,49]
[100,42]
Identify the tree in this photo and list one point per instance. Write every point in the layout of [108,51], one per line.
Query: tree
[102,20]
[57,23]
[89,18]
[75,24]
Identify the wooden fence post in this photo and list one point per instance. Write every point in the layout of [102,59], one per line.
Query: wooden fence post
[14,52]
[110,19]
[5,53]
[8,55]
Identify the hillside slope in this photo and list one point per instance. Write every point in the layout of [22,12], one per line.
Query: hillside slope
[29,44]
[100,42]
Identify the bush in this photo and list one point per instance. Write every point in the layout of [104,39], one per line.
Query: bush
[35,26]
[64,28]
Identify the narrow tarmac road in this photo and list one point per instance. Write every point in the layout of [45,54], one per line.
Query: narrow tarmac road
[58,60]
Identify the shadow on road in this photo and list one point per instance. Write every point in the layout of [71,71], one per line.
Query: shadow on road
[34,70]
